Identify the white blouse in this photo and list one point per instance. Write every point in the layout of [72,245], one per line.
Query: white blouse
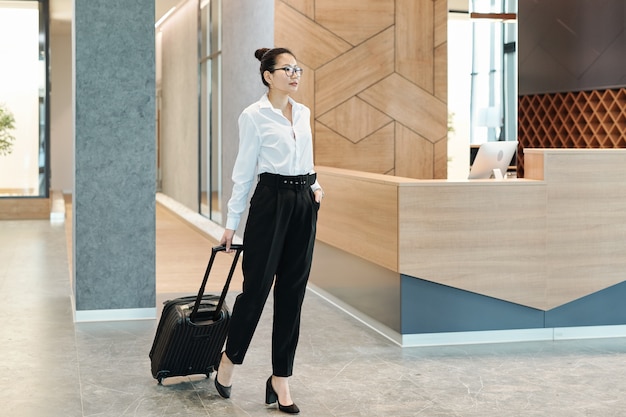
[268,142]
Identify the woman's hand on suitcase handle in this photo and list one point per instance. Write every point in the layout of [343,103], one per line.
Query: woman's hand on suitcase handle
[227,239]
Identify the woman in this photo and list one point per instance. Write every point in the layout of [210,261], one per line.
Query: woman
[275,143]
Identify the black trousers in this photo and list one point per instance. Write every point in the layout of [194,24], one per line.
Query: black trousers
[278,250]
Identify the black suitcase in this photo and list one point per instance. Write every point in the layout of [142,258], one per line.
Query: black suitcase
[192,330]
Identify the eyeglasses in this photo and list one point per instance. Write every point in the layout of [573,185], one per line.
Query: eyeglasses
[290,71]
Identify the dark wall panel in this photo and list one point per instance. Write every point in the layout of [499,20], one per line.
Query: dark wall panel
[434,308]
[602,308]
[571,45]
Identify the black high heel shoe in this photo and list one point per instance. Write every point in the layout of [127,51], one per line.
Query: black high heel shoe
[271,397]
[222,390]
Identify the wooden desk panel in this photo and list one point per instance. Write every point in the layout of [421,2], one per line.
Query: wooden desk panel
[586,220]
[486,237]
[359,214]
[540,242]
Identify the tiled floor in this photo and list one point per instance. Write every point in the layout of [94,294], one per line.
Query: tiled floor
[51,367]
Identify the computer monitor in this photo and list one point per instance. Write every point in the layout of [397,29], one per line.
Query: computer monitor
[493,159]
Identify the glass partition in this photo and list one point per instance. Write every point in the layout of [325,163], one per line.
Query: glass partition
[210,110]
[24,112]
[494,73]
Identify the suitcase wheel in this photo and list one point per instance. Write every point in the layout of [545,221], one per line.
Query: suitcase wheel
[161,375]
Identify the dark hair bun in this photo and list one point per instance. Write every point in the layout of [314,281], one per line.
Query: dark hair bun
[260,52]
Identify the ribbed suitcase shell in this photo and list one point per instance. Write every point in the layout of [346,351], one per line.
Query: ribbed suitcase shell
[188,342]
[182,347]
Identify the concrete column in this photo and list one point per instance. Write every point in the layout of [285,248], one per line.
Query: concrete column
[114,167]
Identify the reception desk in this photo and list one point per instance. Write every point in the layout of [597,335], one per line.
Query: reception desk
[442,261]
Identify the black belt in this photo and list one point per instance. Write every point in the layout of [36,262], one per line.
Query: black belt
[294,182]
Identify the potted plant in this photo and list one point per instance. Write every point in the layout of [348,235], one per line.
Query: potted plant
[7,124]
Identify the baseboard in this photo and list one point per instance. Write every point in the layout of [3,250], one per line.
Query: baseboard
[589,332]
[82,316]
[515,335]
[478,337]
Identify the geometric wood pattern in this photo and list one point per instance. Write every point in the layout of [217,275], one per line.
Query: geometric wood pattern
[355,24]
[375,80]
[311,43]
[414,154]
[342,121]
[582,119]
[373,153]
[350,73]
[415,60]
[303,6]
[409,108]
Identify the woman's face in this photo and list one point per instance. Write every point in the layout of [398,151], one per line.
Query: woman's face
[279,79]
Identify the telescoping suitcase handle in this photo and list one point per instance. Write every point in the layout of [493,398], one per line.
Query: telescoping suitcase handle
[238,248]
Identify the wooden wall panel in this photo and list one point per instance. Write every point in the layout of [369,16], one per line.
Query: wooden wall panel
[306,89]
[352,72]
[306,7]
[372,154]
[410,105]
[341,119]
[355,20]
[373,62]
[441,73]
[441,159]
[441,22]
[312,44]
[414,154]
[441,52]
[415,22]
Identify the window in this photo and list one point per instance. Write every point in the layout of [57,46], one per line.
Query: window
[482,80]
[210,110]
[494,74]
[24,97]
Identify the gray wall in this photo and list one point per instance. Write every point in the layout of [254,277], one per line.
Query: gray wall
[114,175]
[571,45]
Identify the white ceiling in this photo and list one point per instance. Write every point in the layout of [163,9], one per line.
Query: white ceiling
[61,12]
